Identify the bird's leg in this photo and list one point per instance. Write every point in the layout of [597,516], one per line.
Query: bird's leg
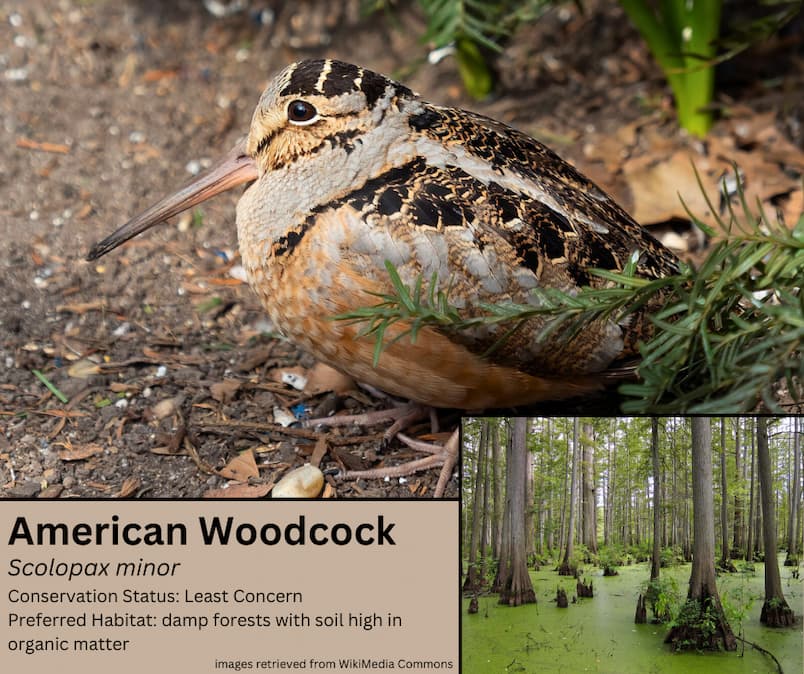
[401,415]
[445,455]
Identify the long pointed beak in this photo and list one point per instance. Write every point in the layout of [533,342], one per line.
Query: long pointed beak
[235,168]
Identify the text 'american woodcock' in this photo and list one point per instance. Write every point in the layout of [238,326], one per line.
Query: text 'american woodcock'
[350,169]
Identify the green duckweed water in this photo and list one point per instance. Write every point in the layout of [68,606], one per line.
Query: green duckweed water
[599,634]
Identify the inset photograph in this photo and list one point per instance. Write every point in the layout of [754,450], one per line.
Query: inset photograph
[631,544]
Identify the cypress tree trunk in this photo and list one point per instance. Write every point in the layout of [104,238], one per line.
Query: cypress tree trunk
[737,544]
[589,504]
[515,586]
[567,568]
[701,623]
[775,611]
[496,537]
[655,563]
[473,579]
[724,564]
[795,496]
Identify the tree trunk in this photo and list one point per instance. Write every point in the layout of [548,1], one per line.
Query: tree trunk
[504,558]
[496,465]
[749,540]
[486,515]
[515,586]
[737,544]
[795,496]
[610,486]
[530,538]
[473,580]
[775,611]
[562,527]
[724,563]
[685,545]
[567,568]
[655,562]
[589,505]
[549,514]
[702,609]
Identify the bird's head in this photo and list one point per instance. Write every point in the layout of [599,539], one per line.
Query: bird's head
[310,109]
[316,106]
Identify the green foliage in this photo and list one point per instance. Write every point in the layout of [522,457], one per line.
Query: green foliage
[611,557]
[671,556]
[662,595]
[641,552]
[404,304]
[699,618]
[681,36]
[737,601]
[474,28]
[581,555]
[729,330]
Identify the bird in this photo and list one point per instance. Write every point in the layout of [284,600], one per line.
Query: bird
[350,171]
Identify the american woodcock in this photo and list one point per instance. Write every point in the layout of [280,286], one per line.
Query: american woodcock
[350,169]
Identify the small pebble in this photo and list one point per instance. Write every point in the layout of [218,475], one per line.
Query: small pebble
[121,404]
[193,167]
[136,137]
[164,408]
[24,41]
[304,482]
[16,74]
[239,273]
[15,19]
[161,371]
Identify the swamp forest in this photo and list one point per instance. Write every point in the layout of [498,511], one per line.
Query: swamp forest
[645,544]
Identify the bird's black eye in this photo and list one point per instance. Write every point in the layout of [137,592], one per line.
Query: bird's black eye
[301,112]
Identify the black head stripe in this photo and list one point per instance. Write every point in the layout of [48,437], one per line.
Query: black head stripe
[340,78]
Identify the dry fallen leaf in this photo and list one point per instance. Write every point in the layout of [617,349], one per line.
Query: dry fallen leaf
[240,491]
[130,486]
[241,467]
[76,453]
[224,391]
[83,369]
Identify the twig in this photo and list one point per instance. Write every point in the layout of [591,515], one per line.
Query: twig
[30,144]
[293,432]
[765,651]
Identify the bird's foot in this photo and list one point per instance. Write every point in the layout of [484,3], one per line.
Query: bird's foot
[402,417]
[445,455]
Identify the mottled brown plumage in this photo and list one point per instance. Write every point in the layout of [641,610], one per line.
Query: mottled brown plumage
[351,169]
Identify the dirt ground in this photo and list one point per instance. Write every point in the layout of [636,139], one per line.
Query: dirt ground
[166,362]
